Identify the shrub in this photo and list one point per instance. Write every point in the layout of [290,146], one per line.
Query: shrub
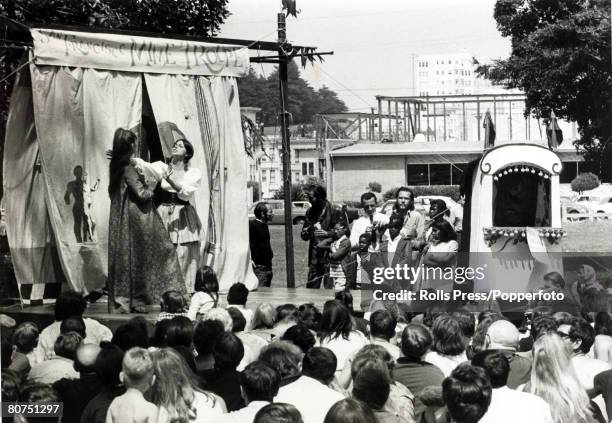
[374,187]
[584,182]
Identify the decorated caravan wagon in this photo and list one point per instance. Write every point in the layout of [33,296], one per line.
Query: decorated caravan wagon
[516,217]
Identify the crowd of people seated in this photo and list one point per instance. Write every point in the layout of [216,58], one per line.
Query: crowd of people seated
[223,359]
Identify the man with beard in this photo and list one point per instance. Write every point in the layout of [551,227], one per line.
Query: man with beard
[414,222]
[319,222]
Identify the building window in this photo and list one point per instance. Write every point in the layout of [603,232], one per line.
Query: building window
[439,174]
[417,174]
[304,168]
[264,177]
[311,168]
[272,177]
[457,170]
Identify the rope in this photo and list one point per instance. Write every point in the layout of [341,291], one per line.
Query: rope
[23,65]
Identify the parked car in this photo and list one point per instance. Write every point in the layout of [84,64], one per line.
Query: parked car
[573,207]
[596,204]
[298,211]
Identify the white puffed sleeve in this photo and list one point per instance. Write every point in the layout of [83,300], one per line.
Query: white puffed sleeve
[190,184]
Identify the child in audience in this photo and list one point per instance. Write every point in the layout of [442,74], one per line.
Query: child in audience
[25,341]
[137,376]
[206,295]
[339,255]
[172,304]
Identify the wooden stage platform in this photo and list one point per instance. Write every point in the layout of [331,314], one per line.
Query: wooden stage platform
[43,315]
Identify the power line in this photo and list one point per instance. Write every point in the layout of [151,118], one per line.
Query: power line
[342,85]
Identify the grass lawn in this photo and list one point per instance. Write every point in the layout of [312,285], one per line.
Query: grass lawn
[300,248]
[588,237]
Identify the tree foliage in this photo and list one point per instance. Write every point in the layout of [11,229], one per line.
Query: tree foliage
[584,182]
[304,101]
[561,59]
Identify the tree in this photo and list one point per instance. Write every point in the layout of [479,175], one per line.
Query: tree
[585,182]
[182,17]
[561,59]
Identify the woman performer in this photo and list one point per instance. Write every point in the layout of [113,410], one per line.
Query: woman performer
[142,262]
[179,216]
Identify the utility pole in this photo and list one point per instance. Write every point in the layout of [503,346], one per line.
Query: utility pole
[282,79]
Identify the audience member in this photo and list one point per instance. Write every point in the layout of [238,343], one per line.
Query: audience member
[179,332]
[310,316]
[237,296]
[221,315]
[74,324]
[350,410]
[176,391]
[138,377]
[25,341]
[130,335]
[172,304]
[411,370]
[207,332]
[336,332]
[466,393]
[382,330]
[485,319]
[504,337]
[504,400]
[602,347]
[287,315]
[253,344]
[11,385]
[206,294]
[554,379]
[602,385]
[224,379]
[264,319]
[61,365]
[36,393]
[448,344]
[259,384]
[301,336]
[108,367]
[285,358]
[278,413]
[70,304]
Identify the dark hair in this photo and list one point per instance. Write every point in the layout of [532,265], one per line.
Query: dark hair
[139,323]
[228,351]
[556,278]
[73,324]
[495,364]
[128,335]
[541,325]
[349,410]
[237,294]
[301,336]
[416,340]
[123,148]
[66,345]
[346,298]
[25,337]
[485,320]
[467,321]
[179,332]
[260,208]
[371,383]
[206,281]
[367,237]
[335,321]
[582,330]
[287,312]
[260,382]
[367,196]
[238,320]
[320,363]
[446,231]
[108,364]
[11,384]
[281,360]
[396,221]
[206,334]
[69,304]
[7,350]
[318,191]
[441,206]
[448,336]
[160,333]
[188,149]
[382,324]
[187,355]
[563,318]
[406,189]
[309,312]
[278,412]
[38,392]
[173,302]
[467,393]
[603,323]
[378,351]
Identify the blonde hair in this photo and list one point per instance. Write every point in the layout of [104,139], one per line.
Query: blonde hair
[554,379]
[175,386]
[137,367]
[222,315]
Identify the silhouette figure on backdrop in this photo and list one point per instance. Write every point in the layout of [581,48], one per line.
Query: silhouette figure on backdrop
[84,225]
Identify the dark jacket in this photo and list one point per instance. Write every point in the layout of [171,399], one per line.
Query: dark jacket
[328,217]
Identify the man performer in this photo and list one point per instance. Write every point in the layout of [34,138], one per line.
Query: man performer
[414,222]
[319,222]
[259,243]
[371,222]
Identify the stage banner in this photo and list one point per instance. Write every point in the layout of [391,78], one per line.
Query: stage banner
[33,253]
[198,109]
[137,54]
[76,112]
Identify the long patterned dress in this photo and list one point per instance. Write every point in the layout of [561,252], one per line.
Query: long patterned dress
[141,257]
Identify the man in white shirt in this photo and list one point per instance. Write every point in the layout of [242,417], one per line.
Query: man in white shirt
[382,329]
[310,393]
[372,222]
[259,384]
[508,405]
[71,304]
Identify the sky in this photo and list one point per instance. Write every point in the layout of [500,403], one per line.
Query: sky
[372,40]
